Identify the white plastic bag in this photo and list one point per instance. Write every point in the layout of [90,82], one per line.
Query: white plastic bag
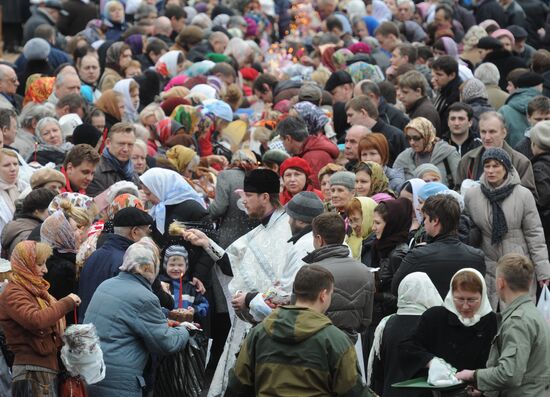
[544,304]
[441,373]
[258,308]
[81,353]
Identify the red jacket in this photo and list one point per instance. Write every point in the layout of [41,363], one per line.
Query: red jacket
[318,151]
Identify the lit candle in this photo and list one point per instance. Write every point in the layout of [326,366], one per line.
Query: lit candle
[180,293]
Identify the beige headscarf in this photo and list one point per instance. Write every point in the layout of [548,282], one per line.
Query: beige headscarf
[426,129]
[142,258]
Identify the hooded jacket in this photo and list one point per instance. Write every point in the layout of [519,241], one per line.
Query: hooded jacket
[442,153]
[515,113]
[16,231]
[352,299]
[318,151]
[525,234]
[296,348]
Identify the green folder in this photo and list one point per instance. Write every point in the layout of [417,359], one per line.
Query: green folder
[422,383]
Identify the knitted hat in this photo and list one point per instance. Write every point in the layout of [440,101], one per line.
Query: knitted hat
[529,79]
[499,155]
[304,206]
[36,49]
[343,178]
[338,78]
[86,133]
[473,88]
[262,181]
[276,156]
[422,169]
[429,189]
[504,33]
[45,175]
[540,135]
[296,163]
[175,250]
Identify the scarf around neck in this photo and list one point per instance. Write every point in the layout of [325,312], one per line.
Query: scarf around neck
[496,197]
[125,169]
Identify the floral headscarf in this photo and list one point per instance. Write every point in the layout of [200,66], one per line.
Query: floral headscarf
[188,116]
[340,57]
[76,199]
[56,231]
[142,258]
[24,271]
[378,180]
[166,128]
[125,200]
[365,71]
[112,56]
[313,115]
[39,89]
[426,130]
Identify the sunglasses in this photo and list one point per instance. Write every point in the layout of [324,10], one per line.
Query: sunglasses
[415,138]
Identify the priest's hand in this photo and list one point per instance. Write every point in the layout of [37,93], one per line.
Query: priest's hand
[196,237]
[199,286]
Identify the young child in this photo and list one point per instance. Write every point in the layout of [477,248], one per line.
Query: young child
[175,265]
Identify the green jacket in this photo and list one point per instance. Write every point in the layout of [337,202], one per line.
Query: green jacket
[515,113]
[518,364]
[296,352]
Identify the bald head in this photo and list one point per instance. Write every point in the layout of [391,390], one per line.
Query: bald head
[162,26]
[8,80]
[353,136]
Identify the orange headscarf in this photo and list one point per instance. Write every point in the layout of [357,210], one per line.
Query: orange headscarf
[38,89]
[108,103]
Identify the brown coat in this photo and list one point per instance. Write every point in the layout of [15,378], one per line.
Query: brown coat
[31,331]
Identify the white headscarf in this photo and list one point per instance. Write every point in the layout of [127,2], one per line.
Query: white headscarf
[130,111]
[142,258]
[170,188]
[484,308]
[416,185]
[415,295]
[170,59]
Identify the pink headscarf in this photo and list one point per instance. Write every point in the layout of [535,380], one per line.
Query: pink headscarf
[497,34]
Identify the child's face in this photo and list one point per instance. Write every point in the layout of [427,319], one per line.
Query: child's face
[176,267]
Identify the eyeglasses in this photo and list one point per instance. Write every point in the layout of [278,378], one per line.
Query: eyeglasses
[469,301]
[415,138]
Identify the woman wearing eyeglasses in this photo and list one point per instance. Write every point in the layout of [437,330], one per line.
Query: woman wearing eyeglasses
[420,134]
[459,332]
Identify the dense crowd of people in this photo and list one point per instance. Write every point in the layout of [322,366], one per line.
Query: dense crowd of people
[341,195]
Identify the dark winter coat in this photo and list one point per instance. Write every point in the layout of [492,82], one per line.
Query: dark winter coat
[440,260]
[445,98]
[505,62]
[105,176]
[535,11]
[40,17]
[441,334]
[490,9]
[351,305]
[524,147]
[391,115]
[471,143]
[541,170]
[479,105]
[79,16]
[102,265]
[396,139]
[62,277]
[425,108]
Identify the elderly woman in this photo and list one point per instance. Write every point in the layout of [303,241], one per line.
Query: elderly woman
[170,64]
[324,180]
[118,57]
[296,174]
[64,231]
[374,147]
[130,323]
[416,294]
[360,213]
[33,321]
[342,191]
[51,148]
[139,157]
[459,332]
[371,180]
[10,186]
[420,133]
[506,215]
